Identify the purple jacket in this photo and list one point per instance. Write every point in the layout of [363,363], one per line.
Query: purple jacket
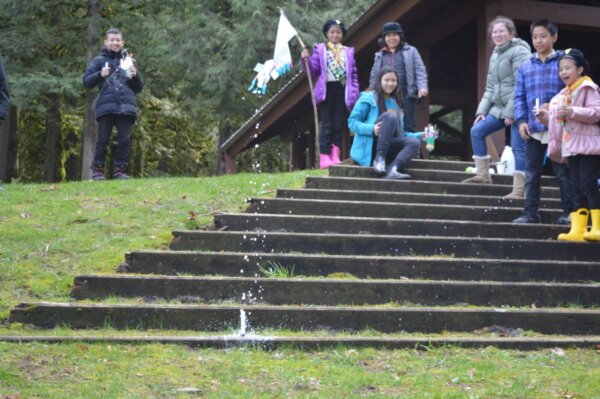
[582,127]
[318,71]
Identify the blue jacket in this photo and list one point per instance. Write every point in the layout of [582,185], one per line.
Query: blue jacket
[362,121]
[117,92]
[4,97]
[536,79]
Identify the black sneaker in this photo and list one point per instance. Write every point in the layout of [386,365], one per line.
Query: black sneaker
[525,218]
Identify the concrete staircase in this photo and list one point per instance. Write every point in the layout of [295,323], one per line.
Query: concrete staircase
[429,261]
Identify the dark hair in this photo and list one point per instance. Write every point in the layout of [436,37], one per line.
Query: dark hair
[113,31]
[331,23]
[577,56]
[510,25]
[379,95]
[544,23]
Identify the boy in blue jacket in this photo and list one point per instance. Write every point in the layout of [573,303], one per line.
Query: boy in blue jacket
[119,81]
[537,82]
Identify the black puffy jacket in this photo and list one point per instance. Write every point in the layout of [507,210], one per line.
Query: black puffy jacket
[4,97]
[117,92]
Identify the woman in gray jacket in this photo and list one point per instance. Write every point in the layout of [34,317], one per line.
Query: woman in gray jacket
[405,59]
[495,109]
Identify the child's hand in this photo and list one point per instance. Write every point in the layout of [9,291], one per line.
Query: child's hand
[376,128]
[524,131]
[305,54]
[132,71]
[105,70]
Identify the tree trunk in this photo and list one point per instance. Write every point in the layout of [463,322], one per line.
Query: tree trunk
[90,128]
[8,146]
[224,128]
[53,128]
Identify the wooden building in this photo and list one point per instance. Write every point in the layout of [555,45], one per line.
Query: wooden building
[452,39]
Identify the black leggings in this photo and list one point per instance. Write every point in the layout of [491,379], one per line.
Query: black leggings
[397,149]
[584,175]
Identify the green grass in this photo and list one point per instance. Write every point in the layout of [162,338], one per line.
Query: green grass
[51,233]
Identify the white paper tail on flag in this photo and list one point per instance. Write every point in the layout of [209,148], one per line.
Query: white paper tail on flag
[282,58]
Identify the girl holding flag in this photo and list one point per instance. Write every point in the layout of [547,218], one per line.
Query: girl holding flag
[333,67]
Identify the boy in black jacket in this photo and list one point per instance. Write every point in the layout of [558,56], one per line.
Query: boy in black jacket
[119,81]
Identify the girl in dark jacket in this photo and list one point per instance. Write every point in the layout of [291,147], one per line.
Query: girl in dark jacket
[119,81]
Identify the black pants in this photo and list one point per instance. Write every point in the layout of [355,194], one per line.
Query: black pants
[397,149]
[333,114]
[410,114]
[535,155]
[123,124]
[584,175]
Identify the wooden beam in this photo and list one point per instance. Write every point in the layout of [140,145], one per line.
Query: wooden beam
[456,98]
[442,112]
[574,16]
[455,16]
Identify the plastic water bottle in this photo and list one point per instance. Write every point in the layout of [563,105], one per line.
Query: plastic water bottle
[430,137]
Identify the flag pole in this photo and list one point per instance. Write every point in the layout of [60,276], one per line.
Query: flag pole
[312,97]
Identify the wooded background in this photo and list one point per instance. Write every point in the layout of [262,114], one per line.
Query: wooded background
[196,58]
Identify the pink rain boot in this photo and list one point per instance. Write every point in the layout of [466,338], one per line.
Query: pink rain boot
[324,161]
[335,155]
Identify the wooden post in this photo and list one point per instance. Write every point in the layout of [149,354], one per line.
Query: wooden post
[8,145]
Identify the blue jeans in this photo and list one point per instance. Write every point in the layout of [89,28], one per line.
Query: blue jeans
[488,126]
[536,152]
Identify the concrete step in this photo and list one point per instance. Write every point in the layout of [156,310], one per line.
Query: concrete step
[307,342]
[347,244]
[412,198]
[331,292]
[441,175]
[381,226]
[379,267]
[439,164]
[306,318]
[413,186]
[289,206]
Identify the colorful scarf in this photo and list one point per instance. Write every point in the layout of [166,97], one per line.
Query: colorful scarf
[568,100]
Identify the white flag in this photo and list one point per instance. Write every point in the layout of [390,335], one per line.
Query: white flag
[282,56]
[281,61]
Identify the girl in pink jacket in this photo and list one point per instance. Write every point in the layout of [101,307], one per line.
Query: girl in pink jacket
[572,118]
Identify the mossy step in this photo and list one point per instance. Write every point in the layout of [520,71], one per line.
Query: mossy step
[270,342]
[391,210]
[382,226]
[381,267]
[345,244]
[300,318]
[312,291]
[413,198]
[413,186]
[440,175]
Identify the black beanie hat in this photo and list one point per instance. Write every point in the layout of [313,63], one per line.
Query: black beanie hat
[334,22]
[577,56]
[390,27]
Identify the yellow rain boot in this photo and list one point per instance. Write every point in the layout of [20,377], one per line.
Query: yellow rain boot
[579,220]
[594,233]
